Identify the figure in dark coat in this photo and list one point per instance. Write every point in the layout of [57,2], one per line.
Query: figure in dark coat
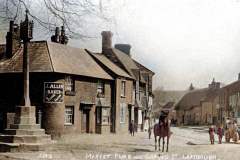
[132,128]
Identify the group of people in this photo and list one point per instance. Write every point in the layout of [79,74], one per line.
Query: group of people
[230,128]
[220,132]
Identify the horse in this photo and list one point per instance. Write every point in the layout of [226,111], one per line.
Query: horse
[231,132]
[162,130]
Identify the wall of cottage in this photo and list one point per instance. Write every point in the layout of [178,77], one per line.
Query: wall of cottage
[209,113]
[123,126]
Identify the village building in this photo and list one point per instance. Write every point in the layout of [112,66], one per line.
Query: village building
[72,92]
[122,92]
[199,106]
[142,79]
[229,102]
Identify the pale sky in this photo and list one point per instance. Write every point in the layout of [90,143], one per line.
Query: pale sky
[182,41]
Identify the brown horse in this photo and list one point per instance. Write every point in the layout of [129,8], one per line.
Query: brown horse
[162,130]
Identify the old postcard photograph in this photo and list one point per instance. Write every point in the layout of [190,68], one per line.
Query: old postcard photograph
[119,79]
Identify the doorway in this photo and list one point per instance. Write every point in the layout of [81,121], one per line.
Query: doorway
[129,115]
[85,121]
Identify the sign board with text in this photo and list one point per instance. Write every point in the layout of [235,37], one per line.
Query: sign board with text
[53,92]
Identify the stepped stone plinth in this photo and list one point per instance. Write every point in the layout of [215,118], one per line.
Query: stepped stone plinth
[24,134]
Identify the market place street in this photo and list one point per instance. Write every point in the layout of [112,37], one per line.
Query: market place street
[185,143]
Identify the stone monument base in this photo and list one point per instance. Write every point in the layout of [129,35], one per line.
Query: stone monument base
[24,134]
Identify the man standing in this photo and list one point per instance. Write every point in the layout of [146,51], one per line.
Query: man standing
[131,128]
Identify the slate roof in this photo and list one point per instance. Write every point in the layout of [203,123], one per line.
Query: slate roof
[110,65]
[53,57]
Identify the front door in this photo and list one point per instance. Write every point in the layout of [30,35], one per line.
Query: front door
[85,121]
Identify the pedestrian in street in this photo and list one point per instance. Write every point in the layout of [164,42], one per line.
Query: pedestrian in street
[220,133]
[211,133]
[132,128]
[149,132]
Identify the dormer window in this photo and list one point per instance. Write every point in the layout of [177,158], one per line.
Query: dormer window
[100,88]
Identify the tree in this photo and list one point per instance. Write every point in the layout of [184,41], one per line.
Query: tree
[73,14]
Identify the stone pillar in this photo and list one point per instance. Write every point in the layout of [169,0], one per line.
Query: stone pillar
[24,134]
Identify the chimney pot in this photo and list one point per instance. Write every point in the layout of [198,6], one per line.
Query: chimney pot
[13,41]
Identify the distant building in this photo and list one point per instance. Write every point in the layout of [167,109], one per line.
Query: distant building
[199,106]
[229,101]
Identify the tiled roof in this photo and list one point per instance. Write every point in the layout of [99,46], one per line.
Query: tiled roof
[72,60]
[110,65]
[52,57]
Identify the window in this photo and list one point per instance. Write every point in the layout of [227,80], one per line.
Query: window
[100,88]
[123,89]
[105,116]
[122,112]
[69,84]
[69,110]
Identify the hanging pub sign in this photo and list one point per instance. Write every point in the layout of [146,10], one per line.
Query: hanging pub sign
[53,92]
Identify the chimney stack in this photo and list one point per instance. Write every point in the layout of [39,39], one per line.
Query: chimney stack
[106,40]
[55,38]
[124,48]
[191,87]
[13,42]
[238,76]
[214,84]
[60,38]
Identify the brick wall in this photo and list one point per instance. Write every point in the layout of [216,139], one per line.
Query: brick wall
[123,127]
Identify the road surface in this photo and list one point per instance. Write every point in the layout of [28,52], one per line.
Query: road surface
[185,144]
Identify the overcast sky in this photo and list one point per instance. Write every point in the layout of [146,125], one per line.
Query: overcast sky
[182,41]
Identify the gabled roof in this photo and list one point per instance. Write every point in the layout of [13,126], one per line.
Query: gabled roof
[110,65]
[53,57]
[143,67]
[127,62]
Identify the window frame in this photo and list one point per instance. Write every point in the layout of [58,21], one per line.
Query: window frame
[107,116]
[123,88]
[122,113]
[69,121]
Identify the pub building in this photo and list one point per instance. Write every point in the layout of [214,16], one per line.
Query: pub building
[73,91]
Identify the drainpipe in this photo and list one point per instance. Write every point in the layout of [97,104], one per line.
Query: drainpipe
[114,105]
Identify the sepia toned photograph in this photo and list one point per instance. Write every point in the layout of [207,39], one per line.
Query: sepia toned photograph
[119,79]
